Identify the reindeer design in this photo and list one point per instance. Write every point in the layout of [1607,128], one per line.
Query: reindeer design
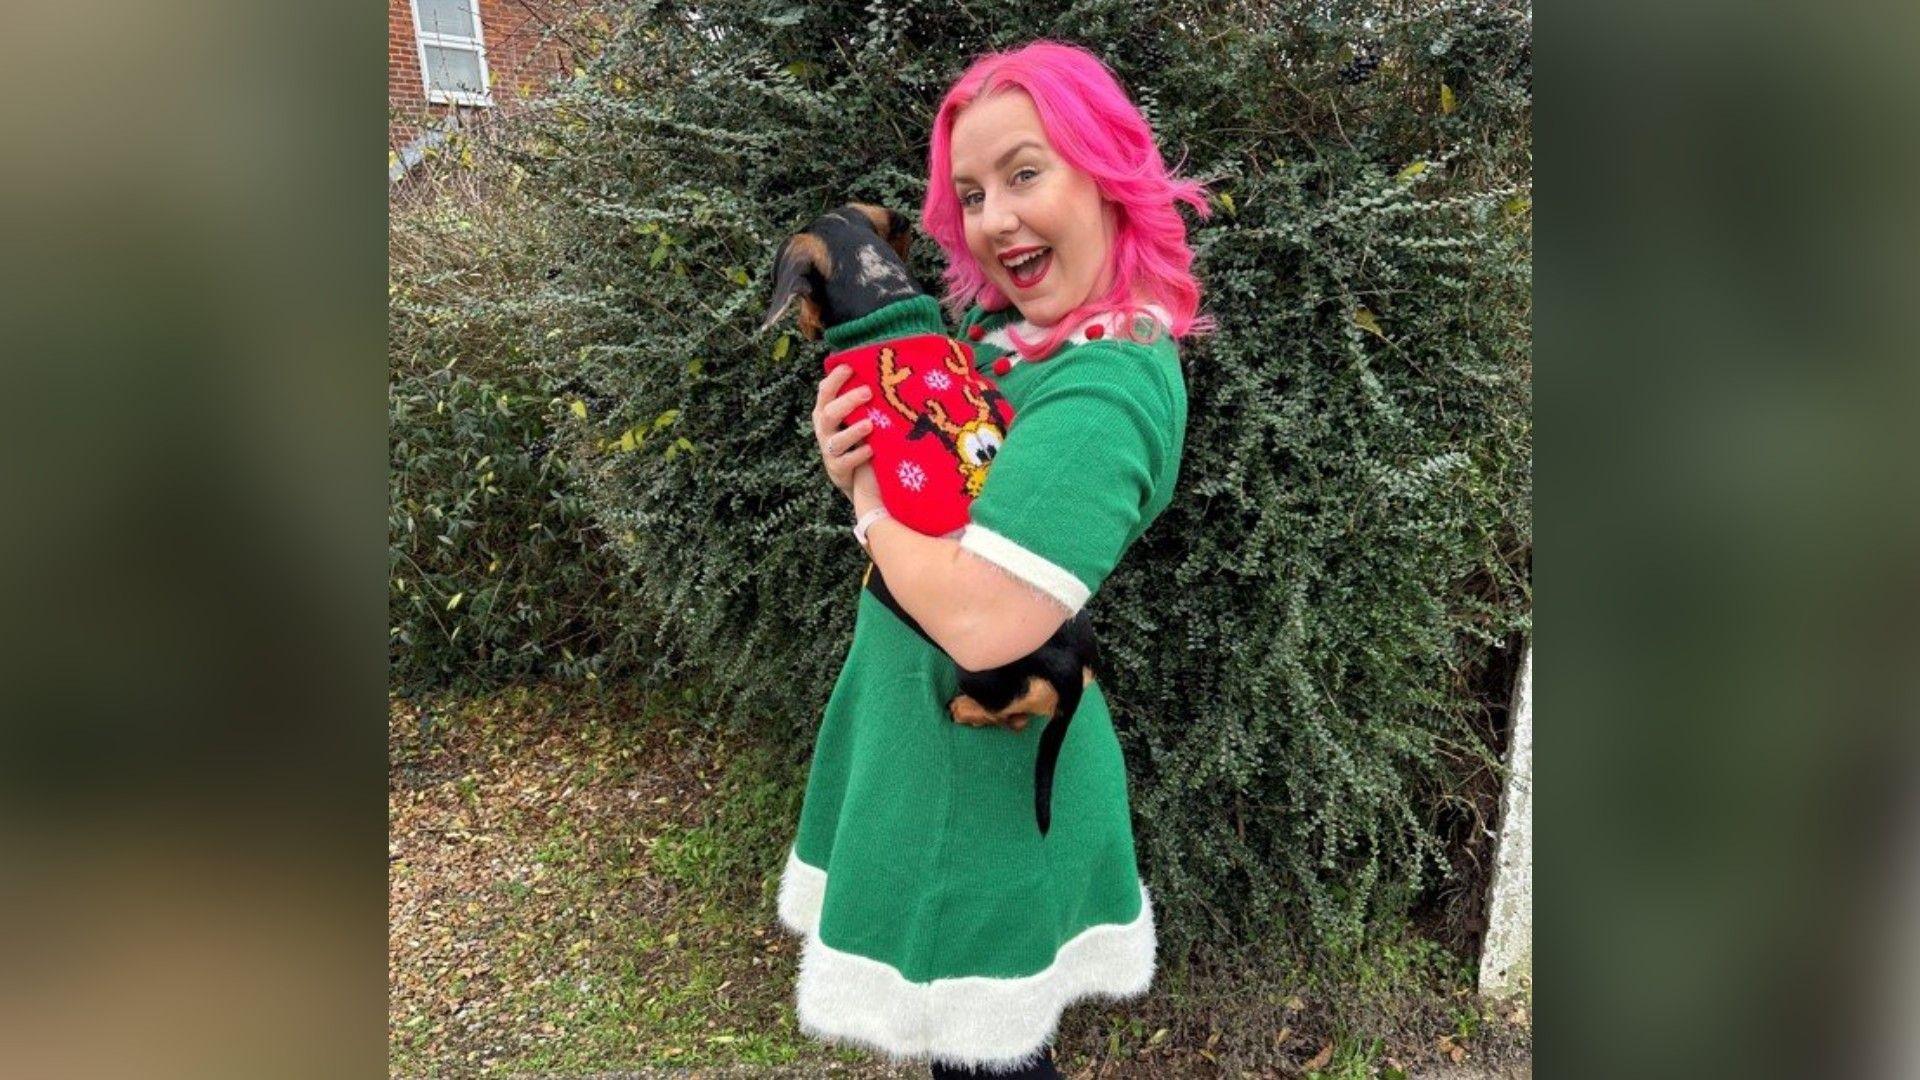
[973,443]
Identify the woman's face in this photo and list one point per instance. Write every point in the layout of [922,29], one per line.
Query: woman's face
[1037,225]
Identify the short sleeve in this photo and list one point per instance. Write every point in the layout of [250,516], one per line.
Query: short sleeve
[1069,487]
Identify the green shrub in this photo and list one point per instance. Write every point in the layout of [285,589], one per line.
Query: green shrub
[1309,648]
[495,569]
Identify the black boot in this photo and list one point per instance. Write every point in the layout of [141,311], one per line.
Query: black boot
[1040,1070]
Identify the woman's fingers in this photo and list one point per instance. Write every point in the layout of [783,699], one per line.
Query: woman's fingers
[831,384]
[835,412]
[844,448]
[829,420]
[842,466]
[843,457]
[844,440]
[829,405]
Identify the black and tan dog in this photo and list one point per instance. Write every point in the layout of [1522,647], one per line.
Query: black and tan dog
[850,263]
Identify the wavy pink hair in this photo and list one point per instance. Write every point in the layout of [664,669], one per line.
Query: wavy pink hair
[1096,128]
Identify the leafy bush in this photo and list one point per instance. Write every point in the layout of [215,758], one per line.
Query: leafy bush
[1309,648]
[495,570]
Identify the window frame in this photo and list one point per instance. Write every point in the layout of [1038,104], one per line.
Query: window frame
[477,45]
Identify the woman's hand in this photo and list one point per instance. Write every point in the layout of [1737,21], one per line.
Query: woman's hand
[843,450]
[866,487]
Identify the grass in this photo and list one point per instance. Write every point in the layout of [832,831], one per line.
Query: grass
[584,885]
[565,899]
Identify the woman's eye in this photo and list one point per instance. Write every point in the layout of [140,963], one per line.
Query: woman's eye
[971,198]
[1025,173]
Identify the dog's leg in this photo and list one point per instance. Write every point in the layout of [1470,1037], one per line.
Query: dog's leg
[1039,699]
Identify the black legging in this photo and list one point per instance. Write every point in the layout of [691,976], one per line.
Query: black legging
[1040,1070]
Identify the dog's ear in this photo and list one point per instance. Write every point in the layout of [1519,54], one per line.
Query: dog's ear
[799,261]
[810,323]
[892,227]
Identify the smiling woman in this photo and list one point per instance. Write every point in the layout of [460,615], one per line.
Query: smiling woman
[1036,225]
[941,924]
[1041,148]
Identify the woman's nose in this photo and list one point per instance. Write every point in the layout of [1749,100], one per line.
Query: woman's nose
[998,217]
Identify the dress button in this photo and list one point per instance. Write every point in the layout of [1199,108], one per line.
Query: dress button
[976,332]
[1002,366]
[1095,332]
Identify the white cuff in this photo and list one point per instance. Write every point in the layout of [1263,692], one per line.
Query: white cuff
[1048,577]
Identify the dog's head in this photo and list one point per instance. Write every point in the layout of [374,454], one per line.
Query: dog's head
[835,268]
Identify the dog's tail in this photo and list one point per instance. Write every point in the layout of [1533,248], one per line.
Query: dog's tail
[1050,739]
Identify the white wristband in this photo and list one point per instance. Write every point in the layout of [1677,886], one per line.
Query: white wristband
[866,522]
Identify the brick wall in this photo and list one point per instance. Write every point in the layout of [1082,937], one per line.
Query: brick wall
[517,62]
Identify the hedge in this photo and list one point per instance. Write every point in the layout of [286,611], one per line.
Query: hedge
[1310,648]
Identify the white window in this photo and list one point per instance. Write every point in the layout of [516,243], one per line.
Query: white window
[453,57]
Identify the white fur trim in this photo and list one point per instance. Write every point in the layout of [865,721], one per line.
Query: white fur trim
[802,888]
[1109,323]
[1048,577]
[999,340]
[989,1023]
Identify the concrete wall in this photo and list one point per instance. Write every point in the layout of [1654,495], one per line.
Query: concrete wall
[1506,959]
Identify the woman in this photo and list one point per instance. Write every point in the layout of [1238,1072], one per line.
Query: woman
[940,923]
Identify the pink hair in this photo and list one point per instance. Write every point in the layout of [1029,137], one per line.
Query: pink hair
[1096,128]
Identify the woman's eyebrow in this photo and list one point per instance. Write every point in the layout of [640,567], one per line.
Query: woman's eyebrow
[1004,158]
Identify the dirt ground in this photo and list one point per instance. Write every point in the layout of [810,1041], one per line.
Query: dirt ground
[1518,1070]
[584,888]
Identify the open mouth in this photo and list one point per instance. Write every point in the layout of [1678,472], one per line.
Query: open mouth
[1031,268]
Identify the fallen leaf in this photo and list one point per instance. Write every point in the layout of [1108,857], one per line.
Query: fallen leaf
[1319,1060]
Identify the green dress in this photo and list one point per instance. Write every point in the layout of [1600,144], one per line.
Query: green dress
[939,924]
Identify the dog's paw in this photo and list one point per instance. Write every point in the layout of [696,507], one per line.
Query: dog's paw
[965,710]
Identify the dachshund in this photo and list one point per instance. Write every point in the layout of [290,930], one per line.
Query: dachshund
[849,263]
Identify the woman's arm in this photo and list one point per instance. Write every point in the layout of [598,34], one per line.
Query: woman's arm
[982,617]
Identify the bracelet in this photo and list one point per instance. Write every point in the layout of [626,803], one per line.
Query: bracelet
[866,522]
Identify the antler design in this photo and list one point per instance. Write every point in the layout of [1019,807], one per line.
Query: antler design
[973,443]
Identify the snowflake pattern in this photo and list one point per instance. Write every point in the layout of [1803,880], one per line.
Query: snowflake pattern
[881,421]
[912,476]
[938,380]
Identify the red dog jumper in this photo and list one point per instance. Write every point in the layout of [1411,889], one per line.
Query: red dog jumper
[937,424]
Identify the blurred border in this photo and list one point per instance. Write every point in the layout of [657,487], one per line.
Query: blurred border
[1726,575]
[194,658]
